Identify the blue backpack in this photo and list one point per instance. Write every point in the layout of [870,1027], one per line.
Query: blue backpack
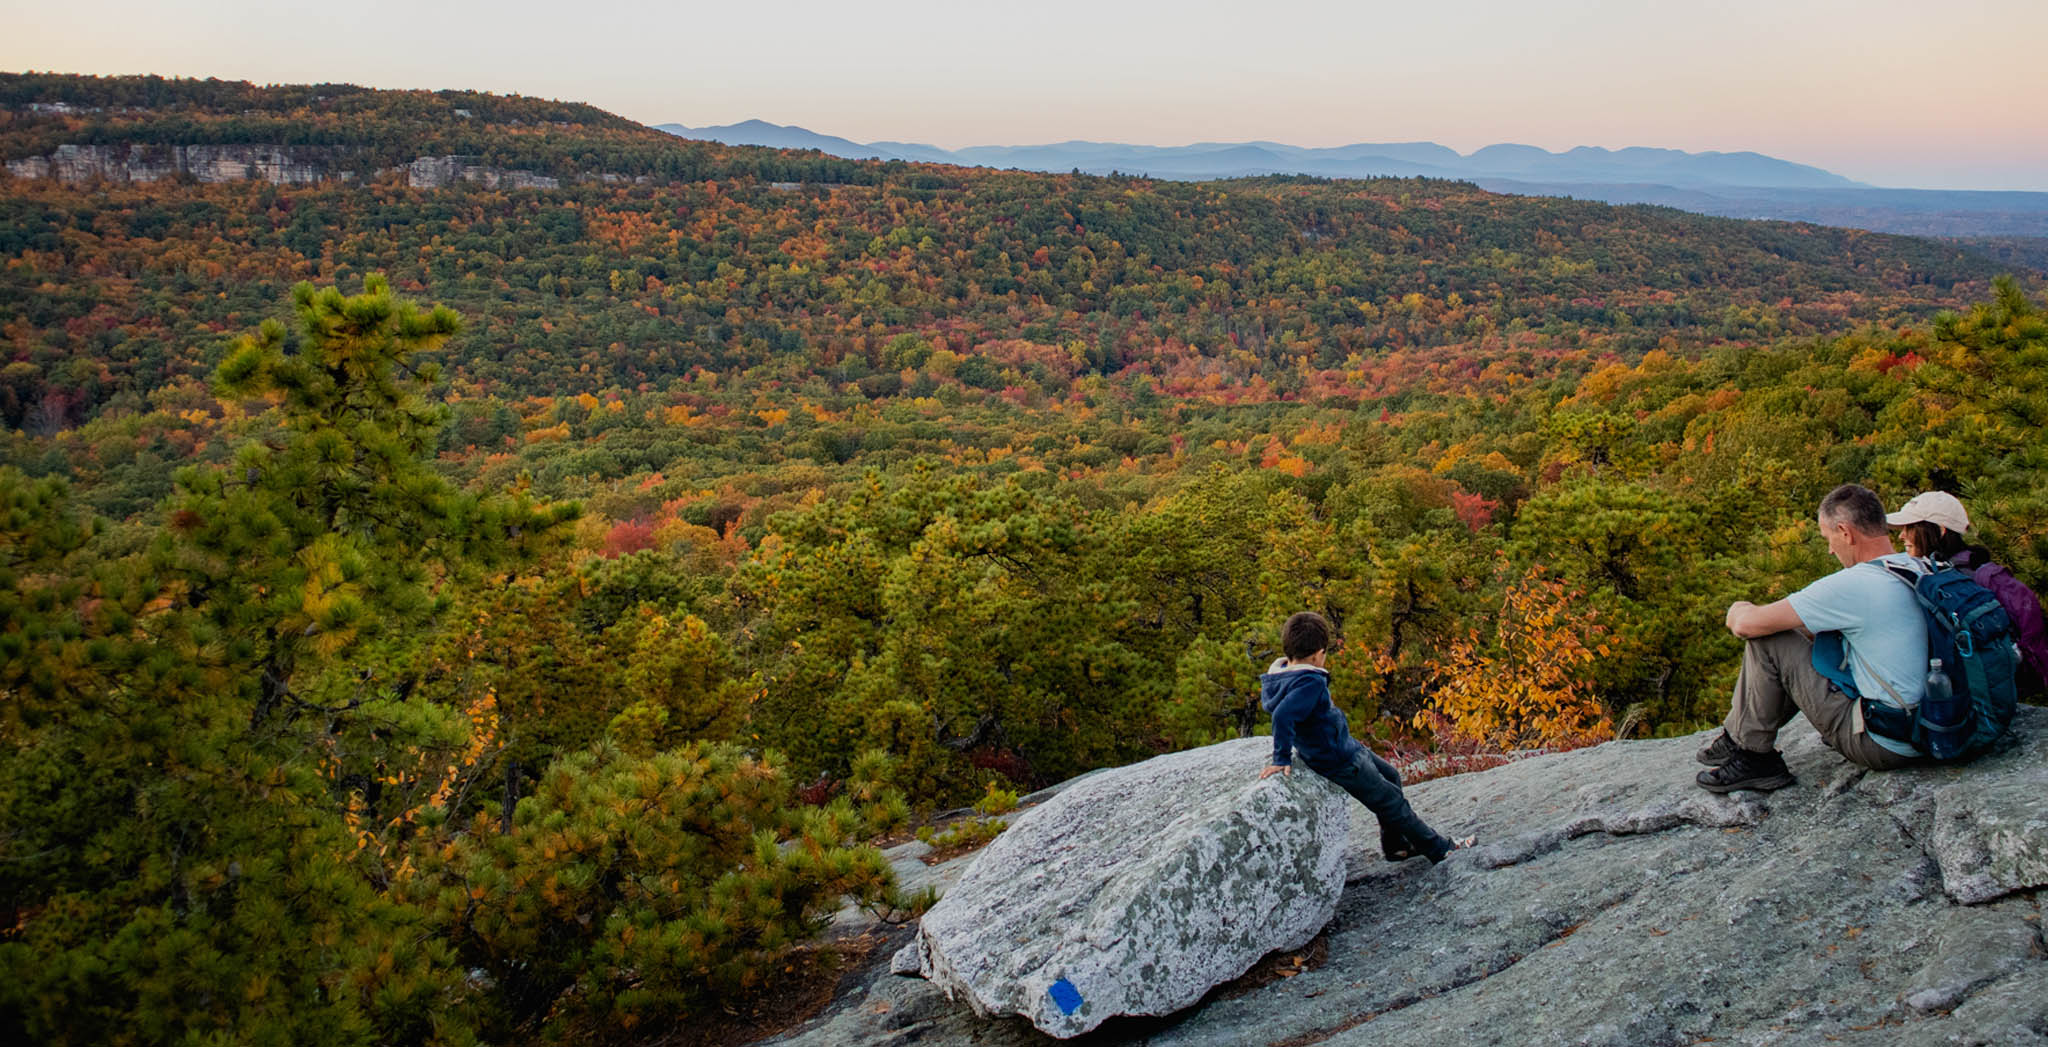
[1972,635]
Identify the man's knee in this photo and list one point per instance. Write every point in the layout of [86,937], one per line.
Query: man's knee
[1785,658]
[1778,644]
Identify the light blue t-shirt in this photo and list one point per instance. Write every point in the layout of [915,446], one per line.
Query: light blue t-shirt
[1882,627]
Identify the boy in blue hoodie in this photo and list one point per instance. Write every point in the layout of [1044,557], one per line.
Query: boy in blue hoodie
[1296,691]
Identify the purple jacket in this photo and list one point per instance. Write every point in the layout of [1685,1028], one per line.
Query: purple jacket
[2022,606]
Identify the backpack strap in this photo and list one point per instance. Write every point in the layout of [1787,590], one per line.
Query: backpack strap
[1912,575]
[1893,721]
[1897,702]
[1885,721]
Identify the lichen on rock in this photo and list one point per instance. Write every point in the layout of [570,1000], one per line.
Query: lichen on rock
[1135,892]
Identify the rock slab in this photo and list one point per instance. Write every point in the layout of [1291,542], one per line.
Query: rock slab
[1612,901]
[1137,891]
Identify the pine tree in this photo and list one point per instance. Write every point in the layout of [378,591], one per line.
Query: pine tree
[50,642]
[680,680]
[328,536]
[183,860]
[627,889]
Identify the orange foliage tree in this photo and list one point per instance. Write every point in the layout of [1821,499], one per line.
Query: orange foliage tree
[1526,685]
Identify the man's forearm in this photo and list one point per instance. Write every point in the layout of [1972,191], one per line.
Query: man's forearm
[1749,621]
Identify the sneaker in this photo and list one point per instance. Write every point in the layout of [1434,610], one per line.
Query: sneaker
[1456,844]
[1717,752]
[1747,770]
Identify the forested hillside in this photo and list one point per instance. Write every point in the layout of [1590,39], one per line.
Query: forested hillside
[753,498]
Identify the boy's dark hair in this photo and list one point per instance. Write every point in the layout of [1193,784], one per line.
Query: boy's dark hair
[1303,635]
[1856,506]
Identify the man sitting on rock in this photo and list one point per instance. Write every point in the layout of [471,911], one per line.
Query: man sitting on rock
[1883,646]
[1296,691]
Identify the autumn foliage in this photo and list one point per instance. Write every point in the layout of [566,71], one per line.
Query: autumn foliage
[538,673]
[1522,682]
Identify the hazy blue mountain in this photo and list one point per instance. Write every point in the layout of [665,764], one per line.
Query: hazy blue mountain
[929,154]
[778,136]
[1912,212]
[1412,152]
[1661,166]
[1508,157]
[1734,185]
[1668,167]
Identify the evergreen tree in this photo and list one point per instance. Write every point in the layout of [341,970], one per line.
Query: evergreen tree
[182,860]
[48,647]
[628,889]
[323,543]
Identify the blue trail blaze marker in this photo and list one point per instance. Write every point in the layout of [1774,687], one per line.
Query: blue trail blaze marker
[1064,994]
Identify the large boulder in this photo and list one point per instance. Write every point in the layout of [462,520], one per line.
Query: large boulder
[1136,891]
[1612,901]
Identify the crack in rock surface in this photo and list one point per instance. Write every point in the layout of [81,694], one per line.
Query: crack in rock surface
[1611,901]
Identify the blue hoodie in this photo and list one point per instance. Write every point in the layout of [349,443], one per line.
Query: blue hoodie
[1304,718]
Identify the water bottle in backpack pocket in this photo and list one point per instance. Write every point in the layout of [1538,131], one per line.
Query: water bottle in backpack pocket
[1943,722]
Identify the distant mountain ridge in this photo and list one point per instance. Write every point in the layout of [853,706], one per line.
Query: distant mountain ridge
[1205,160]
[1727,185]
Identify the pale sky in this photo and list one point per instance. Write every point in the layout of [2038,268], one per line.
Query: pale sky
[1919,93]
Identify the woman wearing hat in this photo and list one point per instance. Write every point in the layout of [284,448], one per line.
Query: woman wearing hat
[1933,524]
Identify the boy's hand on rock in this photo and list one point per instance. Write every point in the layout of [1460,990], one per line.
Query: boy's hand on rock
[1278,768]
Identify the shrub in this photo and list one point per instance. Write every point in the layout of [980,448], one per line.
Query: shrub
[996,801]
[629,889]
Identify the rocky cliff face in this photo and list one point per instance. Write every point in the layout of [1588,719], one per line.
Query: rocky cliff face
[1613,902]
[278,165]
[434,172]
[205,163]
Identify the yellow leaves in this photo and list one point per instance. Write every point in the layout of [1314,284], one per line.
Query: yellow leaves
[416,778]
[1524,686]
[1292,465]
[1327,434]
[1601,386]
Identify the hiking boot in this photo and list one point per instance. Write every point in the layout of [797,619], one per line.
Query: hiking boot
[1717,752]
[1747,770]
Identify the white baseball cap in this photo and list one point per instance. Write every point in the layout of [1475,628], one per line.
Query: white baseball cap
[1935,507]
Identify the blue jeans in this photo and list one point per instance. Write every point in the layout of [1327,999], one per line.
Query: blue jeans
[1375,783]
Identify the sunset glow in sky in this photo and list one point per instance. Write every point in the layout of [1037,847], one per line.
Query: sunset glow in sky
[1891,92]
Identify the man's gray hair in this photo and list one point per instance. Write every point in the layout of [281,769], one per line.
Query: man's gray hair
[1857,506]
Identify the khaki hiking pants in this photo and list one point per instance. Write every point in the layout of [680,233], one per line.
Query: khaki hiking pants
[1778,681]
